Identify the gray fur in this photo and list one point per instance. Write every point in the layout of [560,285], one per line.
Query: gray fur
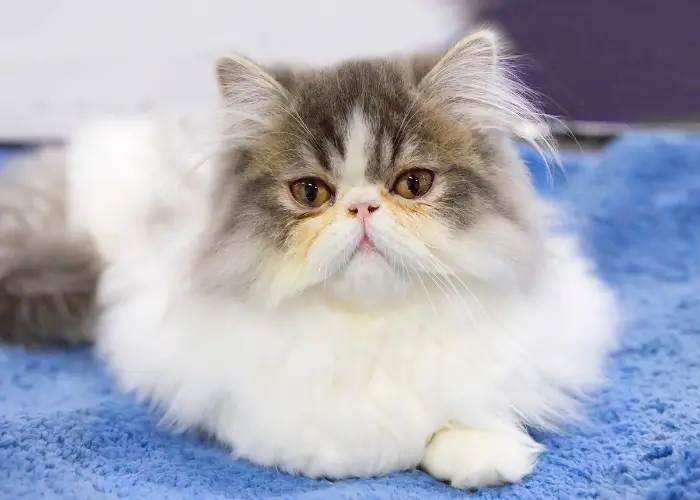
[48,277]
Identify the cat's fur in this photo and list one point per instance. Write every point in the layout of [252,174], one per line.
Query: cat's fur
[48,281]
[238,311]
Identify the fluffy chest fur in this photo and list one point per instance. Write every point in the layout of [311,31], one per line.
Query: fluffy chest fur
[325,390]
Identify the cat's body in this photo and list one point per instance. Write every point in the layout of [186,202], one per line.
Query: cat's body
[422,313]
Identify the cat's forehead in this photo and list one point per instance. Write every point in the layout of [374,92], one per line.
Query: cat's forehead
[382,89]
[352,121]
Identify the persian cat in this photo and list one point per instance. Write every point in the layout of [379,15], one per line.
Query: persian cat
[354,277]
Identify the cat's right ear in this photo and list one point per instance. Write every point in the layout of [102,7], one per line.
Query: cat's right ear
[251,95]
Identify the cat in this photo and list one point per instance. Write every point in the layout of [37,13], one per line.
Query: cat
[349,274]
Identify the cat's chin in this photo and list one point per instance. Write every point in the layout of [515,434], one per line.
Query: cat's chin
[368,279]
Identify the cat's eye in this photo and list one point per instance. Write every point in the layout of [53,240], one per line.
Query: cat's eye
[311,192]
[413,183]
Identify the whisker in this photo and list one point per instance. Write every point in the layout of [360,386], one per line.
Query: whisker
[441,266]
[450,297]
[410,280]
[425,290]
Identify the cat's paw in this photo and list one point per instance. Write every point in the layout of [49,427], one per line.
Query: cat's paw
[472,458]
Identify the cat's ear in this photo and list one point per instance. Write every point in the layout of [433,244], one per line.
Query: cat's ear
[474,81]
[251,95]
[475,54]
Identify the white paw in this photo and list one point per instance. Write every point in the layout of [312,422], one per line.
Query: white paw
[471,458]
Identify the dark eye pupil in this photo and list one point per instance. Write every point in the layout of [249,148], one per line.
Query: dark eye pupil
[310,191]
[413,184]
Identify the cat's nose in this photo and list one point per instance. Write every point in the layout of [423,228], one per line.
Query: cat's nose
[362,210]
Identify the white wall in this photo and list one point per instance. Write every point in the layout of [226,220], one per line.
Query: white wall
[62,61]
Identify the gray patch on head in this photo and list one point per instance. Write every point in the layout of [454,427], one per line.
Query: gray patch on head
[250,201]
[467,196]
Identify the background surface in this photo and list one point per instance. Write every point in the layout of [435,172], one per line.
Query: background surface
[614,61]
[63,61]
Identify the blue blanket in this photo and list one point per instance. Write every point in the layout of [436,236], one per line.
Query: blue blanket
[65,432]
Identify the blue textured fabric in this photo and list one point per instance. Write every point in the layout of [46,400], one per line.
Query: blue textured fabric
[66,433]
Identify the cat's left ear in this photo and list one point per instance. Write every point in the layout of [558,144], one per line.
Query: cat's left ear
[251,94]
[474,82]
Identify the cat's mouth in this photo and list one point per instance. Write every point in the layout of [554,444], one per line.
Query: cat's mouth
[366,245]
[366,248]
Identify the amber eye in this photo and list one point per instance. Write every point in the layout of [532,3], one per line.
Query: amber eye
[414,183]
[310,192]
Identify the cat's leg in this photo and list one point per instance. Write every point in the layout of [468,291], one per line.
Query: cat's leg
[473,458]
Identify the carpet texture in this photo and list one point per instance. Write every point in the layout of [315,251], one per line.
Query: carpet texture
[66,433]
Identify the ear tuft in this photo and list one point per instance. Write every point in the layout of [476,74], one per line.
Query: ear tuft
[251,94]
[474,81]
[235,73]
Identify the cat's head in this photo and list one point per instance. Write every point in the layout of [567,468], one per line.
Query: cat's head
[371,180]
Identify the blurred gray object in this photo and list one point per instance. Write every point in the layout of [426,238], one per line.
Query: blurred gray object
[609,62]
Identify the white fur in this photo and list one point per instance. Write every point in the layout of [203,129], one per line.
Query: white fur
[120,172]
[358,136]
[316,387]
[472,458]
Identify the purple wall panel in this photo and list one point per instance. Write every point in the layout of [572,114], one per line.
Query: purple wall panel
[609,60]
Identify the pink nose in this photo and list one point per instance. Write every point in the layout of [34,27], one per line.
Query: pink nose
[362,209]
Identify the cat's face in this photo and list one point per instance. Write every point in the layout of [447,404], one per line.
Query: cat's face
[364,180]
